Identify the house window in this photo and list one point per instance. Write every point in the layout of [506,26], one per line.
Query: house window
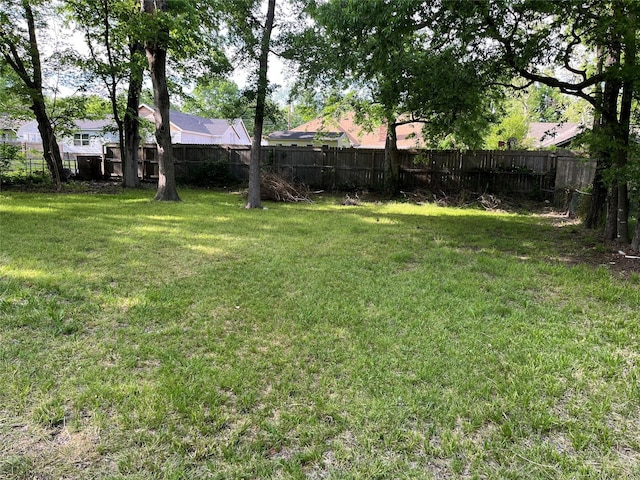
[81,139]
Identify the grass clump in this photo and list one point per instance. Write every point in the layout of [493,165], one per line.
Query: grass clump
[203,340]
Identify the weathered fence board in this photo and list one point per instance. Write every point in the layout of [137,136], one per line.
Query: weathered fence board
[574,172]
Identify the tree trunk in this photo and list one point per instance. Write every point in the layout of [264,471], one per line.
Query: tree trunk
[593,219]
[635,243]
[51,150]
[253,198]
[610,227]
[623,130]
[598,201]
[391,160]
[622,214]
[605,126]
[131,123]
[156,51]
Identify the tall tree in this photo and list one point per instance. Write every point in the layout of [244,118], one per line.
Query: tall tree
[115,57]
[250,32]
[20,24]
[253,199]
[156,46]
[115,33]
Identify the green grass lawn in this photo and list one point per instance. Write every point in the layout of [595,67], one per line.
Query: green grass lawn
[201,340]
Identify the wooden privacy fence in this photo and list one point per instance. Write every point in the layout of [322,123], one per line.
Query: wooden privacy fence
[522,172]
[506,172]
[328,168]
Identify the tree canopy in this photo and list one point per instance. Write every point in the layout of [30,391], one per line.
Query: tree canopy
[387,54]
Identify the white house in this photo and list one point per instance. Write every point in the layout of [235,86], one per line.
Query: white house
[191,129]
[8,130]
[86,141]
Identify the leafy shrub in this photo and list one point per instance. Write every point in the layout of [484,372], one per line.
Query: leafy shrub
[13,170]
[209,174]
[8,155]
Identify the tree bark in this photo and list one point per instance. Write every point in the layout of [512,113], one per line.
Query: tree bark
[593,219]
[635,243]
[622,213]
[598,201]
[156,51]
[605,126]
[624,127]
[253,198]
[391,159]
[131,123]
[610,226]
[51,149]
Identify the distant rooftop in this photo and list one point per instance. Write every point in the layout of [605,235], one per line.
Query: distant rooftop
[546,135]
[304,136]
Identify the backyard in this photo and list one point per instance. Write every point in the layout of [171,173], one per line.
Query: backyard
[200,340]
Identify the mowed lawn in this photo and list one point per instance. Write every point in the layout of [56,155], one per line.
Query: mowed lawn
[200,340]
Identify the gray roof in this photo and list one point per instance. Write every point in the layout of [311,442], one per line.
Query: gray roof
[97,125]
[81,125]
[28,127]
[307,136]
[196,124]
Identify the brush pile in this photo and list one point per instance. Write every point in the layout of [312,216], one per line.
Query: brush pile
[275,188]
[489,202]
[463,198]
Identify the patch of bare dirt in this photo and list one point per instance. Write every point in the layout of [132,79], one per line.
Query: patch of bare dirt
[46,452]
[624,264]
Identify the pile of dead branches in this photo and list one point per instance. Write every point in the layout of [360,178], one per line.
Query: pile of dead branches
[462,198]
[350,201]
[275,188]
[489,202]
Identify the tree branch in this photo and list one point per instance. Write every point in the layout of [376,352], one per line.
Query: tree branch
[575,89]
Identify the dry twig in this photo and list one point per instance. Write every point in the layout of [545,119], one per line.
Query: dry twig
[274,187]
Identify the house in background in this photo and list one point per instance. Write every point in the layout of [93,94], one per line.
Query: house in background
[86,141]
[192,129]
[309,139]
[408,135]
[90,135]
[9,131]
